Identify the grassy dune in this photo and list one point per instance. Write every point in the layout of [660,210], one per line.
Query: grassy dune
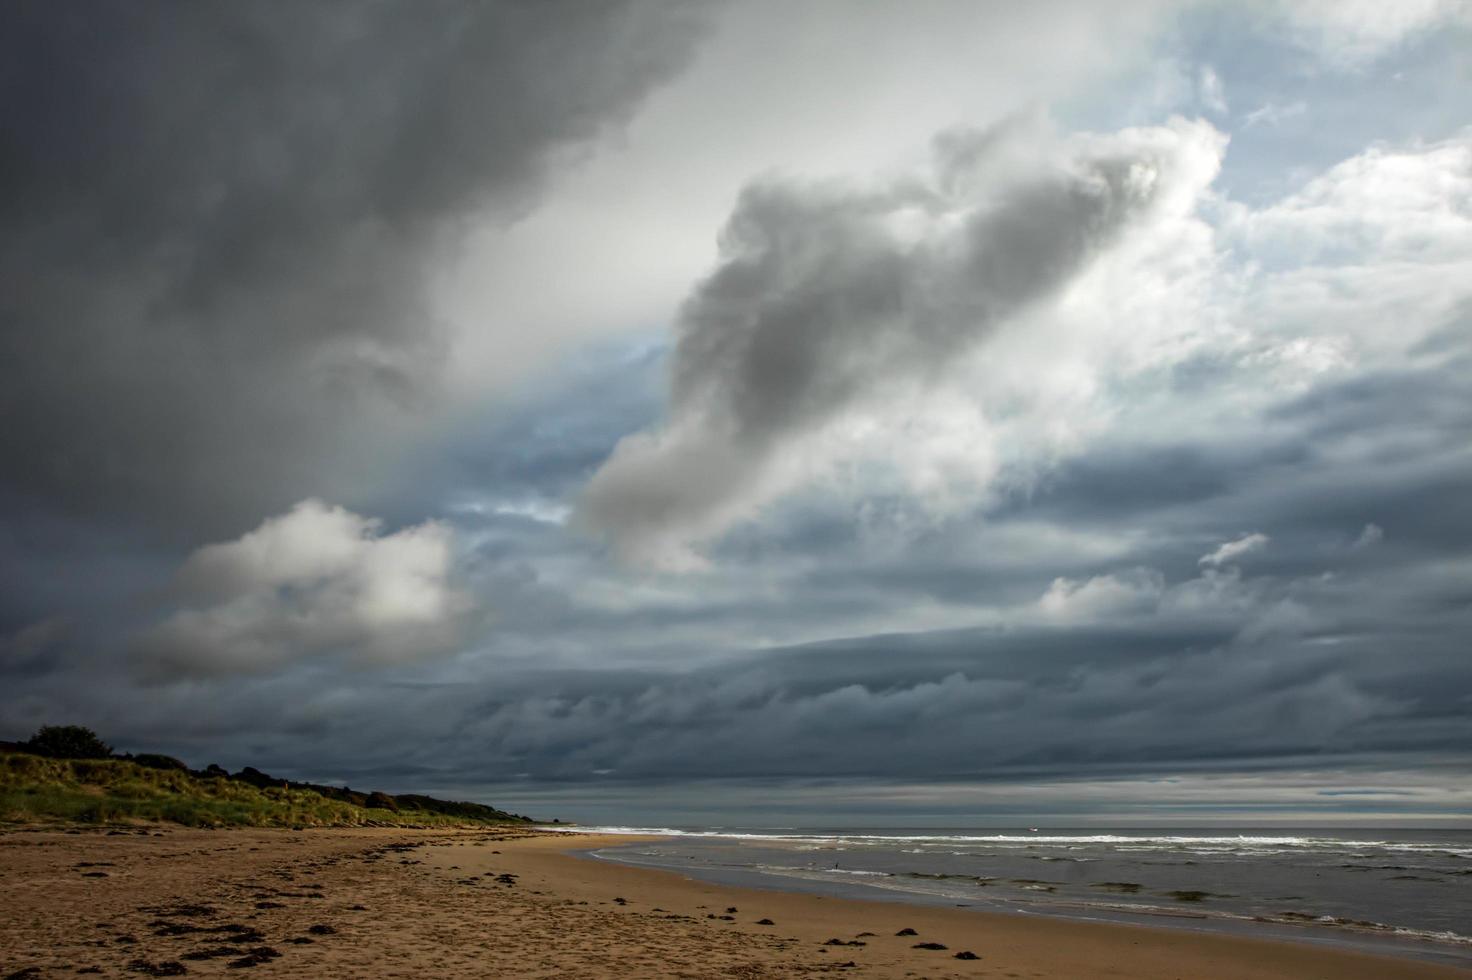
[35,789]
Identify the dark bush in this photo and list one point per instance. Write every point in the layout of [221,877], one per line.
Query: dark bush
[450,808]
[68,742]
[382,801]
[258,779]
[155,761]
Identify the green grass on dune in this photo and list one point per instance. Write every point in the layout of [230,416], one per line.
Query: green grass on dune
[34,789]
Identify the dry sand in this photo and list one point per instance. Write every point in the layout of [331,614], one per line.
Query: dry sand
[386,903]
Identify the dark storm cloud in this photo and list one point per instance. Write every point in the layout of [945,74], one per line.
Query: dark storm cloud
[973,704]
[1162,695]
[218,222]
[828,296]
[1335,637]
[218,219]
[1188,688]
[1321,644]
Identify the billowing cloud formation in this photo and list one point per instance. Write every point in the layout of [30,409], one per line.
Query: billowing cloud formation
[830,298]
[318,579]
[234,208]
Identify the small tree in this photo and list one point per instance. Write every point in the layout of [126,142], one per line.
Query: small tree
[68,742]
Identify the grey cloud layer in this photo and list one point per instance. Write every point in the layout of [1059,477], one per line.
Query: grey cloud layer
[219,219]
[828,297]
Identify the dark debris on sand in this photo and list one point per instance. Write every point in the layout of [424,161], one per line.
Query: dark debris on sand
[907,932]
[167,968]
[211,953]
[180,911]
[257,956]
[966,954]
[232,932]
[928,946]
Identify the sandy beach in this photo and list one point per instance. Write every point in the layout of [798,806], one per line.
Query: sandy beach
[395,903]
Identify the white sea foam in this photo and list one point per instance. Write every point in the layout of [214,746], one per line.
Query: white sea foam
[989,869]
[1204,844]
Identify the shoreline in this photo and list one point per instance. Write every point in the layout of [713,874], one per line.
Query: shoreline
[168,901]
[1385,942]
[1035,945]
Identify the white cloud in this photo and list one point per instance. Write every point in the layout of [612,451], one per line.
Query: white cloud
[1211,91]
[316,580]
[1230,551]
[1382,237]
[1369,537]
[1253,610]
[1213,596]
[1353,33]
[1402,203]
[541,510]
[1137,590]
[1273,113]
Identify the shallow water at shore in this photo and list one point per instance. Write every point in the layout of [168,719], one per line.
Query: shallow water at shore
[1405,891]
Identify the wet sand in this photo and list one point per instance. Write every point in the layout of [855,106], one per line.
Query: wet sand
[396,903]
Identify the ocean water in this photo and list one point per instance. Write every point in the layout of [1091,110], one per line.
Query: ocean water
[1396,891]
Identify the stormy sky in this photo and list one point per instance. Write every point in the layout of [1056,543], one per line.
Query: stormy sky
[943,412]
